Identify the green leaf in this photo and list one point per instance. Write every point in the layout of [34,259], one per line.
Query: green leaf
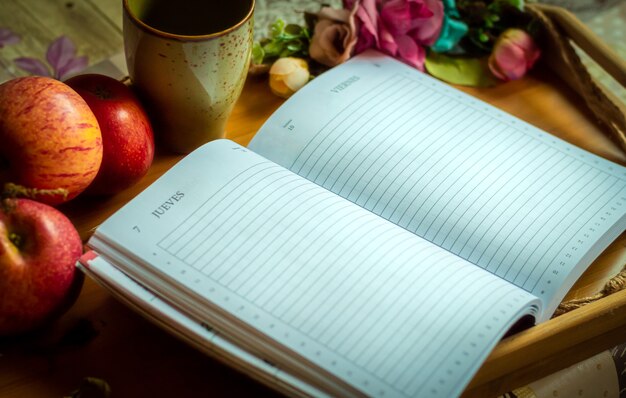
[294,30]
[285,41]
[285,37]
[285,53]
[277,27]
[294,46]
[460,70]
[272,49]
[257,53]
[306,34]
[519,4]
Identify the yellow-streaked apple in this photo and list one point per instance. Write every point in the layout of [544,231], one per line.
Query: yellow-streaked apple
[51,145]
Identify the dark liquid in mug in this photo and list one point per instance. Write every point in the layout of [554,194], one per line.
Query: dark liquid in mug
[192,17]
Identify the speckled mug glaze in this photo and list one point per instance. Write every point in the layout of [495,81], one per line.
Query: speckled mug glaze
[189,83]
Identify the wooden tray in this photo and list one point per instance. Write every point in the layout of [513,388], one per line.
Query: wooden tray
[138,359]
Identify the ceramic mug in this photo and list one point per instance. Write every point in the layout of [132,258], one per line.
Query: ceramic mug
[188,60]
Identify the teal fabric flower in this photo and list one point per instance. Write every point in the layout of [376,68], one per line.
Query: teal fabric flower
[452,30]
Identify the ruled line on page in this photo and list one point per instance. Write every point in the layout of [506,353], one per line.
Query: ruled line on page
[542,213]
[389,361]
[355,131]
[241,210]
[368,138]
[229,217]
[377,156]
[356,291]
[437,177]
[274,301]
[282,250]
[246,285]
[508,206]
[546,184]
[412,384]
[413,161]
[419,167]
[174,236]
[373,97]
[495,192]
[417,144]
[574,233]
[487,191]
[469,187]
[311,264]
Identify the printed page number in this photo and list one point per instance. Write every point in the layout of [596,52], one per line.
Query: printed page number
[289,125]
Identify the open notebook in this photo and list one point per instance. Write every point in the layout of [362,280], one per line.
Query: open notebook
[378,236]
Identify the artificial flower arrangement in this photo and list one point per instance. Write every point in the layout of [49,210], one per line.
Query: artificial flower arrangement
[467,42]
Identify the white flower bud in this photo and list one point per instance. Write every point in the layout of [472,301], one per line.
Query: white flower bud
[288,75]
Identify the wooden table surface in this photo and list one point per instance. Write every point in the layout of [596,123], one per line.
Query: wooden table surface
[99,337]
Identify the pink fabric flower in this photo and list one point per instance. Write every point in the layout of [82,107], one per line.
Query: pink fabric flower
[429,27]
[402,16]
[513,55]
[401,28]
[366,15]
[334,37]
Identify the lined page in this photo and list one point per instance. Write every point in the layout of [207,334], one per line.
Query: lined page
[473,180]
[388,312]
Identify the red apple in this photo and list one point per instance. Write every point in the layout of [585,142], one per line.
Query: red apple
[39,248]
[50,141]
[126,132]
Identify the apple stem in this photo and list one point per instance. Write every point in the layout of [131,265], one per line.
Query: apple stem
[16,239]
[12,190]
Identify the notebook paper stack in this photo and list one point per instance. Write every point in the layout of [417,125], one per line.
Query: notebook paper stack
[378,236]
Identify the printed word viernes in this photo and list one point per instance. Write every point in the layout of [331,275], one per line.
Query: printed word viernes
[345,84]
[168,204]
